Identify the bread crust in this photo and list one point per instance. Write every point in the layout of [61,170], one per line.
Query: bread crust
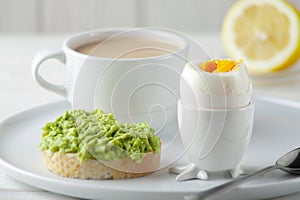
[69,165]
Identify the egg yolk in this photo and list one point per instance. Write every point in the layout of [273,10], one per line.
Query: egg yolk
[216,66]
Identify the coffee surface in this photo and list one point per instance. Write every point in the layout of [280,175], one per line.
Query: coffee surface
[129,47]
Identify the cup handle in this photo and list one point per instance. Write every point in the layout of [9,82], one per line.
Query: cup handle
[38,60]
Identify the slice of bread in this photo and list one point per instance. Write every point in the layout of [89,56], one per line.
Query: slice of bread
[69,165]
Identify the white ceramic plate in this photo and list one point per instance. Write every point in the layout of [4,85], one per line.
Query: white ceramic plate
[276,131]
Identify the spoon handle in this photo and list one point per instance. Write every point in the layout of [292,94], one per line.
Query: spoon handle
[226,187]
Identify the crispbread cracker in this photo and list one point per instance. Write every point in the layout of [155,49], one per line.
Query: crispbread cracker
[69,165]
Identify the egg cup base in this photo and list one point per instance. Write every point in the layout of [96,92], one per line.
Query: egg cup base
[191,171]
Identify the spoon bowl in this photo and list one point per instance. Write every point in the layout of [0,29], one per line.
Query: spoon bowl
[290,162]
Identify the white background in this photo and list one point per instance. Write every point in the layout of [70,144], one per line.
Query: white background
[49,16]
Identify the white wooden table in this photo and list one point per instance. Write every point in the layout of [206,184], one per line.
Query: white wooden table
[18,91]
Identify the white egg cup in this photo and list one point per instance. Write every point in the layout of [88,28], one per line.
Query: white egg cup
[215,118]
[215,140]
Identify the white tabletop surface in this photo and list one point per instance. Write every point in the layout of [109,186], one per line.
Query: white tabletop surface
[18,91]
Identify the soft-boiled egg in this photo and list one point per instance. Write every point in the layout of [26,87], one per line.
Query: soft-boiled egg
[215,84]
[215,116]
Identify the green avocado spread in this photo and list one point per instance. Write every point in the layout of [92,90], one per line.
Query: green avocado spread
[97,135]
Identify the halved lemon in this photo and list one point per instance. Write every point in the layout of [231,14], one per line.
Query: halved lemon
[264,33]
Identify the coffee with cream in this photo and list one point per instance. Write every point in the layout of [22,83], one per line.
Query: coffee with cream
[128,47]
[143,83]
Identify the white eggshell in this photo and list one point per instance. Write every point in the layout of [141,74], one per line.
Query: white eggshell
[201,89]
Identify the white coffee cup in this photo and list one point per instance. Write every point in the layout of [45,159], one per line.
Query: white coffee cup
[130,88]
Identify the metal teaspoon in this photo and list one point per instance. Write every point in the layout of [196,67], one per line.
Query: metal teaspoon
[289,163]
